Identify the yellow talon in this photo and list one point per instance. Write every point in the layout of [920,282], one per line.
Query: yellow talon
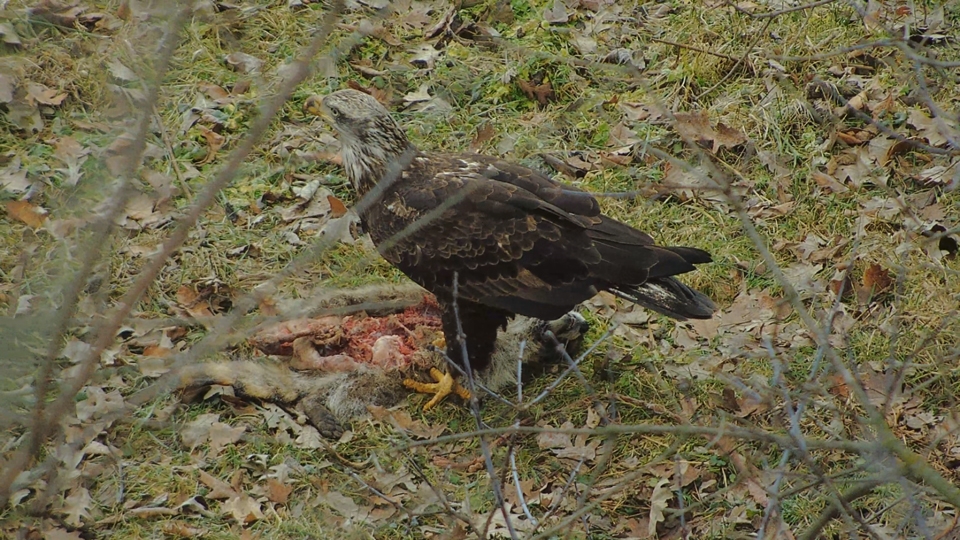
[444,386]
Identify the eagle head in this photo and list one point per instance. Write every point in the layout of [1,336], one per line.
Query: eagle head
[369,137]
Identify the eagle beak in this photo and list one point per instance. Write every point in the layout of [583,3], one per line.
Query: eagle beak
[314,105]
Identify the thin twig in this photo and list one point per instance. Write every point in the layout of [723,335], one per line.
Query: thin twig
[105,333]
[89,256]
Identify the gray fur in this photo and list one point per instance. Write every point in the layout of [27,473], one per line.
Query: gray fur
[332,400]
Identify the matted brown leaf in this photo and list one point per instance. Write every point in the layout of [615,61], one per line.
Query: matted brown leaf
[337,208]
[157,351]
[218,488]
[182,529]
[877,279]
[404,421]
[190,300]
[696,127]
[484,134]
[27,212]
[828,182]
[277,491]
[243,508]
[214,143]
[543,93]
[208,428]
[38,93]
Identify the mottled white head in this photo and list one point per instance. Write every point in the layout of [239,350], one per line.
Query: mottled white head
[370,139]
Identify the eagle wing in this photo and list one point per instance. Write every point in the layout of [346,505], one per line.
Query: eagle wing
[517,240]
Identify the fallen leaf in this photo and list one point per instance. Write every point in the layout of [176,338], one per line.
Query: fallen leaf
[626,57]
[157,351]
[277,491]
[243,63]
[421,94]
[59,13]
[191,301]
[696,127]
[551,439]
[556,13]
[27,212]
[76,507]
[337,208]
[58,534]
[214,143]
[828,182]
[876,279]
[484,134]
[543,92]
[242,508]
[343,505]
[9,36]
[658,503]
[621,135]
[424,56]
[38,93]
[182,529]
[208,428]
[939,175]
[121,72]
[937,133]
[403,420]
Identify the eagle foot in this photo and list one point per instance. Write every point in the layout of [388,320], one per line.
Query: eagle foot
[444,386]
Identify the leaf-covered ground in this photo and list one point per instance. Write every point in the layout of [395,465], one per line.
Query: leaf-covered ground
[813,151]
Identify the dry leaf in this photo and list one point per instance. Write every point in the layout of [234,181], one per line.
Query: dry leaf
[484,134]
[58,534]
[192,302]
[121,72]
[157,351]
[207,428]
[876,279]
[14,179]
[27,212]
[345,506]
[543,93]
[242,508]
[404,421]
[38,93]
[658,503]
[219,490]
[8,35]
[243,62]
[696,127]
[828,182]
[337,208]
[182,529]
[556,13]
[214,143]
[424,57]
[277,491]
[76,507]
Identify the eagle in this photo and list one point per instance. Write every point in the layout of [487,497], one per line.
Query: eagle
[493,239]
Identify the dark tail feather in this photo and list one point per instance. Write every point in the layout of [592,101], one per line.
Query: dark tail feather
[669,297]
[691,255]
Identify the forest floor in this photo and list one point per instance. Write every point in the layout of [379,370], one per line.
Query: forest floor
[811,151]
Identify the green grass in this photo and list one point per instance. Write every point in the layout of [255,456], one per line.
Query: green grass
[756,99]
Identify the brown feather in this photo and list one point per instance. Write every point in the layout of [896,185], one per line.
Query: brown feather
[518,241]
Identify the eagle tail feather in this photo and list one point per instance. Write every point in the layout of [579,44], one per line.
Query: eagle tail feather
[669,297]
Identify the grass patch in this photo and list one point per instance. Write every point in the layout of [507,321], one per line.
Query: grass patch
[752,75]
